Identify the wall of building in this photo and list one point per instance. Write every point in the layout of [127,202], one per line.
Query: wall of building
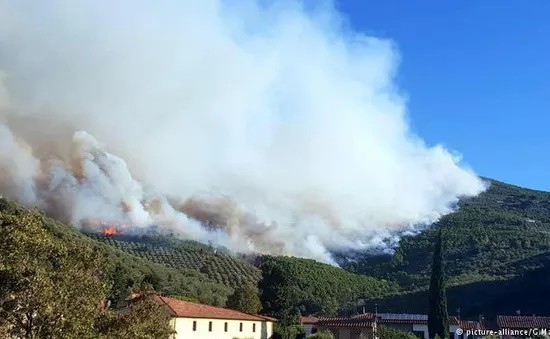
[400,327]
[421,328]
[184,329]
[308,329]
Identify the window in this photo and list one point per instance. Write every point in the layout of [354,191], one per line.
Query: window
[209,326]
[194,325]
[240,327]
[225,327]
[253,327]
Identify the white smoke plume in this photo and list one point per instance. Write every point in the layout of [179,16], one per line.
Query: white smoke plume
[259,125]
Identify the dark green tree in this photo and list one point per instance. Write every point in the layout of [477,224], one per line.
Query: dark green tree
[438,318]
[390,333]
[245,299]
[49,287]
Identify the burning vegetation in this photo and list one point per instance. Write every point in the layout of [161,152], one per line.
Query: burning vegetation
[104,228]
[110,231]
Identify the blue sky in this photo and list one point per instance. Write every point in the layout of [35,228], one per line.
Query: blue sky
[477,74]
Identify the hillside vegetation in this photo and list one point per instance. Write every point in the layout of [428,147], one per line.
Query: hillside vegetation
[493,240]
[128,270]
[292,285]
[188,255]
[58,286]
[492,244]
[485,239]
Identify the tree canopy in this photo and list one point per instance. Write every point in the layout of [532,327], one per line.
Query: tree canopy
[292,286]
[245,299]
[438,318]
[57,287]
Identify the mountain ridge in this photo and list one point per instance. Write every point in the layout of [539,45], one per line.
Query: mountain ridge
[494,242]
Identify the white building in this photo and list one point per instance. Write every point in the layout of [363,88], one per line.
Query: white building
[196,321]
[366,324]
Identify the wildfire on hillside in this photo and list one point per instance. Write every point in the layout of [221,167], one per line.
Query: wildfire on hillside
[104,228]
[110,231]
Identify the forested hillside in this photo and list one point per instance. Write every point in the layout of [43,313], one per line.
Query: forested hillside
[494,241]
[196,271]
[219,267]
[484,240]
[496,246]
[291,285]
[128,270]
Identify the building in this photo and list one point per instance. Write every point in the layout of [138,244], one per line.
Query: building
[415,323]
[515,326]
[196,321]
[365,325]
[353,327]
[309,324]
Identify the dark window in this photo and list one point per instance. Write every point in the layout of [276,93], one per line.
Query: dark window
[313,330]
[225,327]
[240,327]
[253,327]
[452,335]
[194,325]
[419,334]
[209,326]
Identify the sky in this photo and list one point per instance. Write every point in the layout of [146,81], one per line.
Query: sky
[477,77]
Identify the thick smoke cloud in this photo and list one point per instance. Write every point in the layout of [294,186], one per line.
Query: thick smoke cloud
[260,127]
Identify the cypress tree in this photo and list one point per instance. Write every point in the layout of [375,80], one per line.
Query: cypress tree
[438,318]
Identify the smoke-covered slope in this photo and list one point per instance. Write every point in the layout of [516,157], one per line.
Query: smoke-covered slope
[126,270]
[493,236]
[212,120]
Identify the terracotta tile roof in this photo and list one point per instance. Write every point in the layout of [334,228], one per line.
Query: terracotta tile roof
[473,325]
[519,322]
[361,320]
[186,309]
[308,320]
[404,318]
[367,320]
[267,318]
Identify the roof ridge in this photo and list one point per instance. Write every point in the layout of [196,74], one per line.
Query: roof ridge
[167,304]
[176,302]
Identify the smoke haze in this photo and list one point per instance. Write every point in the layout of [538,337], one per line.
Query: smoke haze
[272,128]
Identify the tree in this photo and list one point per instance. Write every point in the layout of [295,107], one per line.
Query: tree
[48,287]
[146,318]
[390,333]
[438,318]
[245,299]
[322,335]
[53,285]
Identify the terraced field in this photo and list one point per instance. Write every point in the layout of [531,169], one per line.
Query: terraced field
[217,266]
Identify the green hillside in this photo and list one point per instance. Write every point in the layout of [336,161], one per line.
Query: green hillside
[497,246]
[188,255]
[291,285]
[128,270]
[196,271]
[485,239]
[492,242]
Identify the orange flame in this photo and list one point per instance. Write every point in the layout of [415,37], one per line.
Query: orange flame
[109,231]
